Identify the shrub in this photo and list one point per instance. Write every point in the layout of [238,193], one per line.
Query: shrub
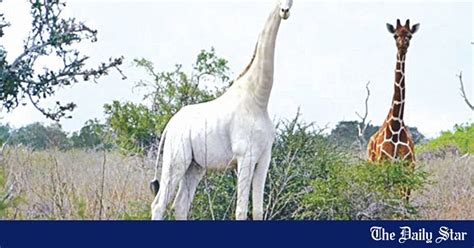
[215,197]
[300,154]
[462,138]
[362,191]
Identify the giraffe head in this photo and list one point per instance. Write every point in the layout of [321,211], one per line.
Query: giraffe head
[285,6]
[403,34]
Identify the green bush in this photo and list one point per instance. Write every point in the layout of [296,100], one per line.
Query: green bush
[362,191]
[300,154]
[40,137]
[215,197]
[462,138]
[93,135]
[133,126]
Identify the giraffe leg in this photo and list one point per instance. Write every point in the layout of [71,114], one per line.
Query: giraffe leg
[406,191]
[177,158]
[371,150]
[245,170]
[186,191]
[258,184]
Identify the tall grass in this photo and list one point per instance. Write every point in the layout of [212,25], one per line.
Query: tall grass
[76,184]
[95,185]
[450,196]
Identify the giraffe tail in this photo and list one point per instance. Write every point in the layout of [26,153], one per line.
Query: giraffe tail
[155,184]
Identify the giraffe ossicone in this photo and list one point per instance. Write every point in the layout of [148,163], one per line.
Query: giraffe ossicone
[232,130]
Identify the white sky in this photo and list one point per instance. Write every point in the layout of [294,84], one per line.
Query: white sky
[326,52]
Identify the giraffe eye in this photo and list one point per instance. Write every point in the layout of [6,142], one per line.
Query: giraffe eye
[395,36]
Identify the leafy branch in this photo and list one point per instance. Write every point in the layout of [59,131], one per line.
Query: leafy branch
[50,36]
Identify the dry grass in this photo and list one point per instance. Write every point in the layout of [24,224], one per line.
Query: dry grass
[451,194]
[77,185]
[68,185]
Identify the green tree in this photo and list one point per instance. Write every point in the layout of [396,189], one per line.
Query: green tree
[92,135]
[4,133]
[51,36]
[417,136]
[136,125]
[345,134]
[40,137]
[168,92]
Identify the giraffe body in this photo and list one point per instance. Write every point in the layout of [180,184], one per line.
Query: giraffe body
[393,140]
[396,143]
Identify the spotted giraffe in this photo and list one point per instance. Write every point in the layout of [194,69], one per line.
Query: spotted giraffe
[393,140]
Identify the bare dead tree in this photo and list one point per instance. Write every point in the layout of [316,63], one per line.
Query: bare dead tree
[363,124]
[463,92]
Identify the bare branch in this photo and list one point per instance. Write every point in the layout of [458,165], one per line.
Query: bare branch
[363,124]
[209,198]
[102,185]
[463,92]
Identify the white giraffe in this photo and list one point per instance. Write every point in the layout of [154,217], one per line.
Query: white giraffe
[232,130]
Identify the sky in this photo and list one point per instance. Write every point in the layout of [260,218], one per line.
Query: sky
[326,53]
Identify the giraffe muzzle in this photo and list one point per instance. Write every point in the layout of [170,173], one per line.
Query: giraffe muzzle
[285,13]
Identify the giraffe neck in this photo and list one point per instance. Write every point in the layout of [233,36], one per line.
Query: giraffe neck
[258,77]
[398,101]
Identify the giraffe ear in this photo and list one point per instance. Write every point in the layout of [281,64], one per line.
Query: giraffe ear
[415,28]
[390,28]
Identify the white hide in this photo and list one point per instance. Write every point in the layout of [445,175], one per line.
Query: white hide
[234,129]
